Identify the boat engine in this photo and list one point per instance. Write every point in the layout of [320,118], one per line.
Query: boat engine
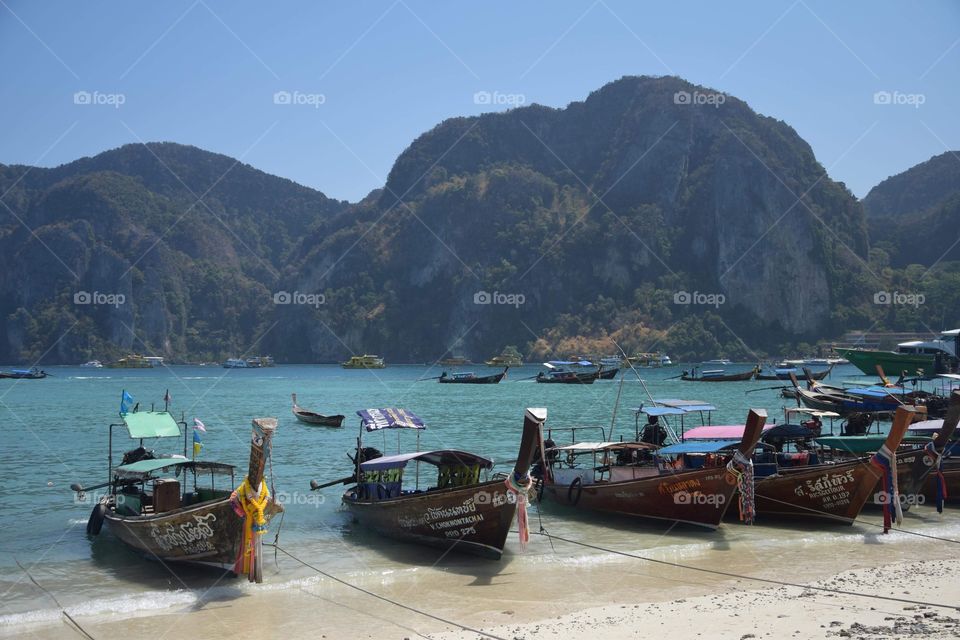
[138,454]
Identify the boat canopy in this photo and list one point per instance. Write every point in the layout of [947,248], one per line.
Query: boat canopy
[950,376]
[567,363]
[787,432]
[875,392]
[719,432]
[700,446]
[687,405]
[927,425]
[438,458]
[143,469]
[603,446]
[659,411]
[812,412]
[150,424]
[377,419]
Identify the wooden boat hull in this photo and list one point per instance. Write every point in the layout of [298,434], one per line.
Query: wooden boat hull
[835,493]
[891,361]
[951,474]
[732,377]
[208,534]
[699,497]
[318,420]
[474,519]
[23,376]
[609,374]
[786,377]
[577,378]
[494,379]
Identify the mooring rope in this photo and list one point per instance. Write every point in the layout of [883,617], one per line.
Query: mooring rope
[386,599]
[52,597]
[729,574]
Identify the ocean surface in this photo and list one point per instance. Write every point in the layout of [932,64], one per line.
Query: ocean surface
[55,432]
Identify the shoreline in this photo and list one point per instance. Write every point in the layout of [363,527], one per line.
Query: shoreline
[564,590]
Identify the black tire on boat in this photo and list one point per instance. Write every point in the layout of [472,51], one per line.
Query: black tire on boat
[95,523]
[578,483]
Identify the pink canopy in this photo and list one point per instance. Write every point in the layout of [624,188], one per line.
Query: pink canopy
[719,432]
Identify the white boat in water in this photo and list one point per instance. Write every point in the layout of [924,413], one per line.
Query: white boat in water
[236,363]
[93,364]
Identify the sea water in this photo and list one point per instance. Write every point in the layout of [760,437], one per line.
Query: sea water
[56,433]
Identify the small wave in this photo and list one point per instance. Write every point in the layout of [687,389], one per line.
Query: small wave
[125,605]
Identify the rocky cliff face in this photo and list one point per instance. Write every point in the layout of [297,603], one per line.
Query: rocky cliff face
[914,216]
[649,180]
[536,226]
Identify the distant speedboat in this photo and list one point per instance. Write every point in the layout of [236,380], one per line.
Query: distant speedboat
[93,364]
[718,361]
[24,374]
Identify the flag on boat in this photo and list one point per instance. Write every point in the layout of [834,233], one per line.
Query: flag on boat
[166,397]
[197,444]
[125,401]
[199,426]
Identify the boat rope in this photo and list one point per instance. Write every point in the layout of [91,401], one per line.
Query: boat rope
[729,574]
[386,599]
[63,611]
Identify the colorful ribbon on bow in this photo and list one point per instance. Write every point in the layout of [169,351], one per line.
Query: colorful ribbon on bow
[520,489]
[886,462]
[741,467]
[250,505]
[937,457]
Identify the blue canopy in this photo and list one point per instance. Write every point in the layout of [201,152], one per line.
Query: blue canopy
[698,446]
[687,405]
[875,392]
[659,411]
[387,418]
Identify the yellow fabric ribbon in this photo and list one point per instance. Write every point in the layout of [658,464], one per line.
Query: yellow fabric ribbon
[253,504]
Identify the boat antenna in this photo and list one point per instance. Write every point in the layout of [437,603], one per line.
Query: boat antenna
[616,405]
[642,383]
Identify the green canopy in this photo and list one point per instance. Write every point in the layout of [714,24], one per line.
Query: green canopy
[150,424]
[144,468]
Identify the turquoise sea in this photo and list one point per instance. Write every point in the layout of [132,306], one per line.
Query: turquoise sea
[55,433]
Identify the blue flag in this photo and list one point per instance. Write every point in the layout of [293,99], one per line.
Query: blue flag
[197,445]
[125,401]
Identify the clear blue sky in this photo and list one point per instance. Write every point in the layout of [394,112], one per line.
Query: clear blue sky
[205,73]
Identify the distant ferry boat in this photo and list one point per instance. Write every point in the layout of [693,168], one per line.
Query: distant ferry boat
[509,358]
[133,361]
[93,364]
[455,361]
[916,358]
[250,363]
[651,360]
[718,361]
[364,362]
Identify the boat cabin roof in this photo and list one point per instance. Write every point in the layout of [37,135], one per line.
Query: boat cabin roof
[438,457]
[674,407]
[389,418]
[567,363]
[927,425]
[875,392]
[150,424]
[700,446]
[144,469]
[787,431]
[603,446]
[719,432]
[951,376]
[811,412]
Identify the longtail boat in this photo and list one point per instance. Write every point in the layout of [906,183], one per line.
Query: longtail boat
[637,479]
[312,417]
[152,508]
[834,492]
[717,375]
[472,378]
[24,374]
[783,373]
[565,372]
[457,510]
